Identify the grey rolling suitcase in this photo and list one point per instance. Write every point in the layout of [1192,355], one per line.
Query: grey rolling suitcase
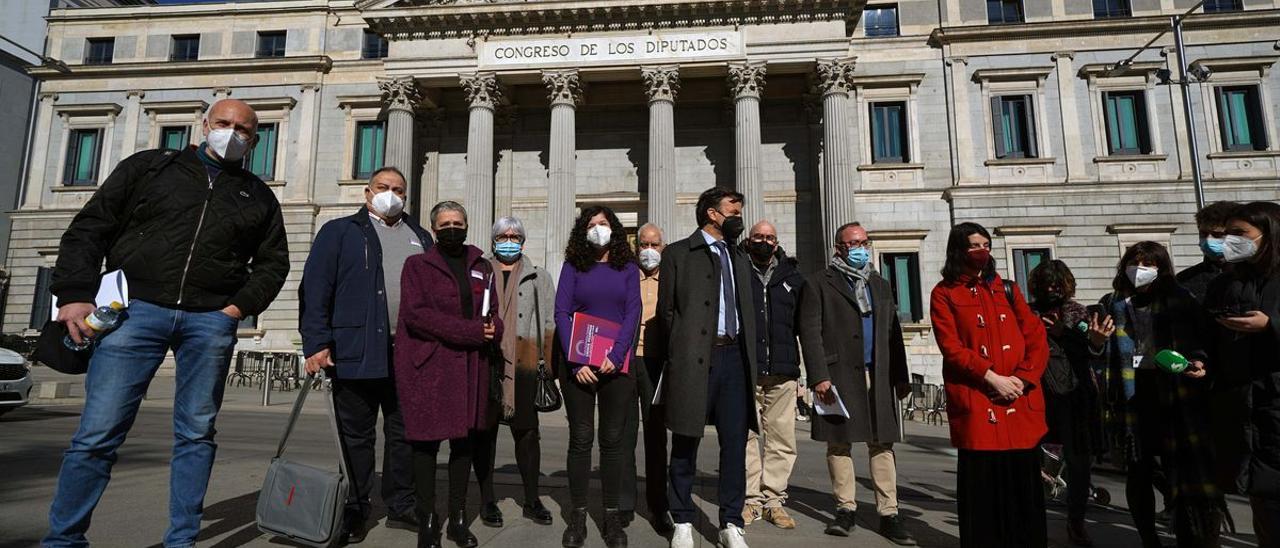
[300,502]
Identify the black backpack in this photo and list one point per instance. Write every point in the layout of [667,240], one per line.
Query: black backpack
[1058,377]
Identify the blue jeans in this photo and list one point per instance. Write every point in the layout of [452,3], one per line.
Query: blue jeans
[122,367]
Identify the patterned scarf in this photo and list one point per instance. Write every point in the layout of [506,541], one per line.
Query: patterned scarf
[858,278]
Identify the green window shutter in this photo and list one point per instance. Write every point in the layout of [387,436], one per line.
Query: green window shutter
[999,125]
[86,156]
[1257,127]
[262,159]
[902,286]
[380,147]
[1241,135]
[1029,128]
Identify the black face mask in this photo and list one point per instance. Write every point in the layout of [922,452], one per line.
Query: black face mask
[451,239]
[760,251]
[732,227]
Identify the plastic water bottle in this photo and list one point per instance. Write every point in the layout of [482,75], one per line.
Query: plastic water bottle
[1170,361]
[102,320]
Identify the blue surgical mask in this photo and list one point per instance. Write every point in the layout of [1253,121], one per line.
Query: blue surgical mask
[1213,248]
[507,251]
[858,257]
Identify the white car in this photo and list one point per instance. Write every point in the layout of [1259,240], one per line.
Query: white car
[15,381]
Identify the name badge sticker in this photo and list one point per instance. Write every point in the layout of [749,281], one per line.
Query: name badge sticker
[786,286]
[1137,361]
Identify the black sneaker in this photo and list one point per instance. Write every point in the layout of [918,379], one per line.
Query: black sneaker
[406,522]
[614,534]
[892,529]
[843,525]
[575,531]
[354,529]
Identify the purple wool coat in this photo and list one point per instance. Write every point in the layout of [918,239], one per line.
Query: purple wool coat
[441,363]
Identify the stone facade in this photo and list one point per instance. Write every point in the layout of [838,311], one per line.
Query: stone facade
[534,110]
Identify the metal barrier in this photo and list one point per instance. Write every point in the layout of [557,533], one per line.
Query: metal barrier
[270,371]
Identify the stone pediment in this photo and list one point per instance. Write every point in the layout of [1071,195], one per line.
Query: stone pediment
[425,19]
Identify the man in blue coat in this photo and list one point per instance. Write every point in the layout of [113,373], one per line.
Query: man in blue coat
[350,298]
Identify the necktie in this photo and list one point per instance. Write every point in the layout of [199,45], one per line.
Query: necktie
[726,291]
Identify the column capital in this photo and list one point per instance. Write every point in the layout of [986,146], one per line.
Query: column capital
[953,61]
[836,75]
[564,87]
[400,93]
[661,83]
[746,78]
[1071,55]
[135,93]
[482,89]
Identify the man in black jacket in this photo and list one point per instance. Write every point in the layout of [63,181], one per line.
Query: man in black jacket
[1211,222]
[202,243]
[775,287]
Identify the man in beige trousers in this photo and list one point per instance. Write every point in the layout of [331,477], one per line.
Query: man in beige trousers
[775,285]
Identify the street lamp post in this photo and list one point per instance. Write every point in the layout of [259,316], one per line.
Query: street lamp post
[1189,113]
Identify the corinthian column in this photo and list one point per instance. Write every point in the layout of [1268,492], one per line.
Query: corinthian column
[835,79]
[402,98]
[565,89]
[483,96]
[661,85]
[746,79]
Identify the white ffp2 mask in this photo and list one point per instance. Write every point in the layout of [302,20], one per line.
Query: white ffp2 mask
[227,144]
[386,204]
[1141,276]
[599,235]
[650,258]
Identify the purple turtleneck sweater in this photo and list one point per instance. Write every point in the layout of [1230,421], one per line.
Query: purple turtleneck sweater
[604,292]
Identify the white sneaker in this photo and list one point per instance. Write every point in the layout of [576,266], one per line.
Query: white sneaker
[683,537]
[732,536]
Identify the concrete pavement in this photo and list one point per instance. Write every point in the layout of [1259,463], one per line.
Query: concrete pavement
[133,511]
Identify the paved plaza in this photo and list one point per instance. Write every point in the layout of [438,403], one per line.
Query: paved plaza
[132,513]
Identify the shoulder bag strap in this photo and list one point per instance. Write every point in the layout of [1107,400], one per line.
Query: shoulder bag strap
[537,317]
[293,420]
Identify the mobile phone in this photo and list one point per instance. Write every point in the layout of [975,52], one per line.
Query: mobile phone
[1094,309]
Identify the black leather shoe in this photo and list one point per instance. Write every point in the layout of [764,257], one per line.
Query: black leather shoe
[614,534]
[892,529]
[627,516]
[405,522]
[575,531]
[458,532]
[843,525]
[354,530]
[538,513]
[429,532]
[491,515]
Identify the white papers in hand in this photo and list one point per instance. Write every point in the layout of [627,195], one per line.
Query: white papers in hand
[836,409]
[113,288]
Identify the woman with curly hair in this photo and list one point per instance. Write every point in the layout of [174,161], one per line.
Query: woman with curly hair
[600,278]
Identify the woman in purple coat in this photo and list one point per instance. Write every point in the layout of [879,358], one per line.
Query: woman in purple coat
[443,345]
[600,278]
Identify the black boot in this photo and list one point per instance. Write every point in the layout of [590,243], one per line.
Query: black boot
[575,531]
[538,513]
[614,535]
[458,532]
[490,514]
[429,531]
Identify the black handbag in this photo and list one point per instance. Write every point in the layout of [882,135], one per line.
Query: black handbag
[546,396]
[56,356]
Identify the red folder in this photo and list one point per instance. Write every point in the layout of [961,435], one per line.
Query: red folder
[591,340]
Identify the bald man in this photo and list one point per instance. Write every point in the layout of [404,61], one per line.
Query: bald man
[202,243]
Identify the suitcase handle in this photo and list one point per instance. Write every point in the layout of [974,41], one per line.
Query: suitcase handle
[293,420]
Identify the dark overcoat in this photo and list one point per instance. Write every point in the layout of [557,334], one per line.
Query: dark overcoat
[831,340]
[688,311]
[441,358]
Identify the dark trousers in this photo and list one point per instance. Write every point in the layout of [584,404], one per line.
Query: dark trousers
[528,460]
[655,442]
[356,403]
[1266,521]
[613,393]
[727,407]
[461,453]
[1000,499]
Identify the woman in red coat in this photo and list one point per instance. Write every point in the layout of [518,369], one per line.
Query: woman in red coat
[443,345]
[993,353]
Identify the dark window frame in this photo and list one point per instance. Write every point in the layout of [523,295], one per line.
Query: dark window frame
[1025,142]
[42,299]
[70,168]
[1254,118]
[1141,123]
[1003,15]
[1021,269]
[99,51]
[1111,9]
[1221,6]
[881,30]
[181,47]
[271,44]
[889,267]
[376,50]
[165,132]
[876,111]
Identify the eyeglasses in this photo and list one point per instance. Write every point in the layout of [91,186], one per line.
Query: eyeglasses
[854,244]
[765,238]
[649,245]
[509,238]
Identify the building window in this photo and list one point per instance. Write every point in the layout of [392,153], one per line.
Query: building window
[1003,12]
[1014,125]
[1214,6]
[84,148]
[248,322]
[185,48]
[1026,260]
[370,141]
[262,159]
[1103,9]
[375,46]
[1240,118]
[42,303]
[1127,130]
[99,51]
[889,133]
[175,137]
[271,44]
[881,20]
[903,272]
